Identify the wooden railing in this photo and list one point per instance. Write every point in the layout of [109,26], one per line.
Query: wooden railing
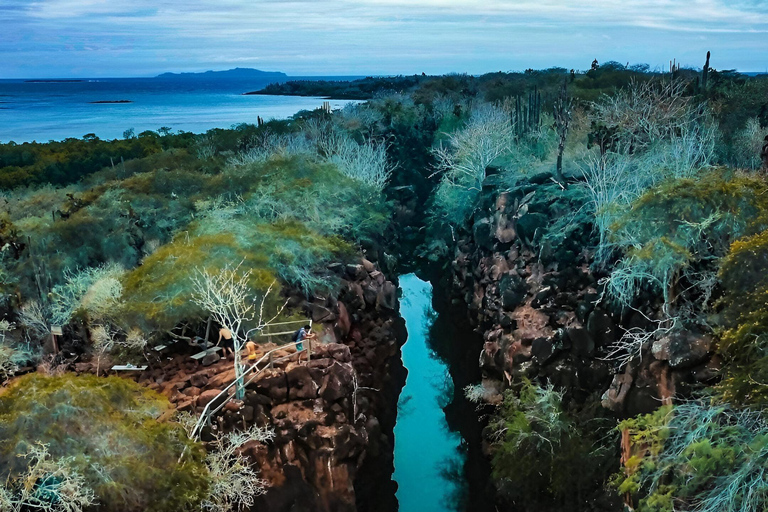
[213,407]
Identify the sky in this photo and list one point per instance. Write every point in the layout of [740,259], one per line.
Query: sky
[114,38]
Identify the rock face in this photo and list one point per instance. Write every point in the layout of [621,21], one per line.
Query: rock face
[536,301]
[333,416]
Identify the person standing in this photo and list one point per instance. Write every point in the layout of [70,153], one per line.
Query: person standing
[305,333]
[229,343]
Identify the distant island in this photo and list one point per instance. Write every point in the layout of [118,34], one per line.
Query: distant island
[237,73]
[360,89]
[111,101]
[51,81]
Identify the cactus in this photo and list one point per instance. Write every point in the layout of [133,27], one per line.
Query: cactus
[527,118]
[705,74]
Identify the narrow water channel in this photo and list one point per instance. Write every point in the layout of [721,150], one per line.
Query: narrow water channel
[428,456]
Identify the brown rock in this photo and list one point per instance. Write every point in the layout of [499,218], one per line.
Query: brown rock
[187,405]
[300,383]
[192,391]
[368,266]
[344,323]
[206,396]
[199,380]
[210,359]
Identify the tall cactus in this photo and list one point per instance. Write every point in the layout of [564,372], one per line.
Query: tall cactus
[562,115]
[705,74]
[527,118]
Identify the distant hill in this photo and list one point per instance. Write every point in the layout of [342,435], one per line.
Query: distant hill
[231,74]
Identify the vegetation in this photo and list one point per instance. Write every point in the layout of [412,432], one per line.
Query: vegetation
[696,456]
[538,443]
[101,439]
[124,242]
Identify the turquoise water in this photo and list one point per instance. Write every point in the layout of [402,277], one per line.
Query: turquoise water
[55,111]
[426,452]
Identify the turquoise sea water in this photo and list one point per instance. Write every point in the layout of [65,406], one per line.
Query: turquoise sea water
[45,111]
[426,452]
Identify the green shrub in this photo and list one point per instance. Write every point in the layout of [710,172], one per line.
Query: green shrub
[697,456]
[682,223]
[547,457]
[744,341]
[110,429]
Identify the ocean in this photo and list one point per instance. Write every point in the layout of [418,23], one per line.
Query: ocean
[45,110]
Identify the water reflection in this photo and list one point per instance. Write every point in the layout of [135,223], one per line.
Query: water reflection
[429,458]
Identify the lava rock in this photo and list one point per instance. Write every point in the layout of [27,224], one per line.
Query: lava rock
[512,290]
[530,223]
[542,350]
[601,328]
[582,343]
[484,233]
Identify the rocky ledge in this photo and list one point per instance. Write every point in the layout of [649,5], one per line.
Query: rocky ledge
[536,300]
[333,416]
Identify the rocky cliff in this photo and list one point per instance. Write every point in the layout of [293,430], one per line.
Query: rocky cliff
[525,276]
[333,416]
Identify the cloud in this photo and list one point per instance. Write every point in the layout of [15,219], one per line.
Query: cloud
[108,38]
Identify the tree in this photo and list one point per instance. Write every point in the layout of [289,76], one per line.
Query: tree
[226,295]
[48,485]
[233,482]
[487,135]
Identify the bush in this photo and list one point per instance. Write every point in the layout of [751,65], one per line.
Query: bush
[697,456]
[109,431]
[546,457]
[684,225]
[744,341]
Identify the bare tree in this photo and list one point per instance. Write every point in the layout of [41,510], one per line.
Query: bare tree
[647,112]
[227,296]
[48,485]
[487,135]
[36,318]
[234,483]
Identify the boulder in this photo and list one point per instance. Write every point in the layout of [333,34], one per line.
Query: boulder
[209,359]
[387,297]
[505,230]
[529,224]
[542,350]
[582,344]
[367,265]
[301,384]
[192,391]
[601,328]
[484,233]
[512,290]
[686,349]
[207,396]
[614,398]
[273,384]
[344,323]
[320,313]
[199,380]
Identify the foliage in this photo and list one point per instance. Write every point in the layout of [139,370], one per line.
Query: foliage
[66,161]
[48,485]
[681,226]
[92,292]
[746,146]
[486,136]
[107,429]
[745,338]
[697,456]
[234,483]
[539,443]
